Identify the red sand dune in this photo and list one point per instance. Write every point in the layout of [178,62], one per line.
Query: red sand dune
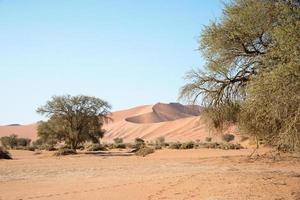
[26,131]
[174,121]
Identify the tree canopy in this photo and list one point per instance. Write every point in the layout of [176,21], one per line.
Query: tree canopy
[73,119]
[252,71]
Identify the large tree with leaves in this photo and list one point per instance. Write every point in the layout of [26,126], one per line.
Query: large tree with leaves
[74,119]
[252,73]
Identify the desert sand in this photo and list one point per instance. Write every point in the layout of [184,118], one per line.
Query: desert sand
[173,121]
[167,174]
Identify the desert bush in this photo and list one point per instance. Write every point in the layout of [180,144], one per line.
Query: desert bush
[143,151]
[119,146]
[139,143]
[208,139]
[96,147]
[228,137]
[129,145]
[118,140]
[175,145]
[9,141]
[227,146]
[4,154]
[64,151]
[13,142]
[47,147]
[31,148]
[187,145]
[23,142]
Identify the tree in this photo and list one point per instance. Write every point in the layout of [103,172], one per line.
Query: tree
[252,70]
[74,119]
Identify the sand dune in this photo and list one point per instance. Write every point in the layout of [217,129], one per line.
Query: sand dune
[166,112]
[174,121]
[27,131]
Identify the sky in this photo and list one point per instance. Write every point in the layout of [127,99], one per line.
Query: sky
[127,52]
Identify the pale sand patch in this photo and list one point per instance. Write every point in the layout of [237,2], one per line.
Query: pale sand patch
[166,174]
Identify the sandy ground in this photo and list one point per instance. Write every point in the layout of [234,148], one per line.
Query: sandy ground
[166,174]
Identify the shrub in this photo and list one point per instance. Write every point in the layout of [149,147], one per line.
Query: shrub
[9,141]
[175,145]
[187,145]
[31,148]
[143,151]
[208,139]
[227,146]
[96,147]
[130,145]
[228,137]
[64,151]
[119,146]
[4,154]
[118,140]
[23,142]
[139,143]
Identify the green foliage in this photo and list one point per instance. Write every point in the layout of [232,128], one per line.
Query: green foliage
[13,142]
[228,137]
[271,111]
[252,74]
[4,154]
[73,119]
[143,151]
[9,141]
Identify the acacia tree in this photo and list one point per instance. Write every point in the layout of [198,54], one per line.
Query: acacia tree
[74,119]
[252,73]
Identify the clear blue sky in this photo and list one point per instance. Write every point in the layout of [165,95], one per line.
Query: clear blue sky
[127,52]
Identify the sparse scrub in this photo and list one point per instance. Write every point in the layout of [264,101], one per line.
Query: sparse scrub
[4,154]
[118,140]
[96,147]
[139,143]
[175,145]
[187,145]
[228,137]
[119,146]
[143,151]
[64,152]
[118,143]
